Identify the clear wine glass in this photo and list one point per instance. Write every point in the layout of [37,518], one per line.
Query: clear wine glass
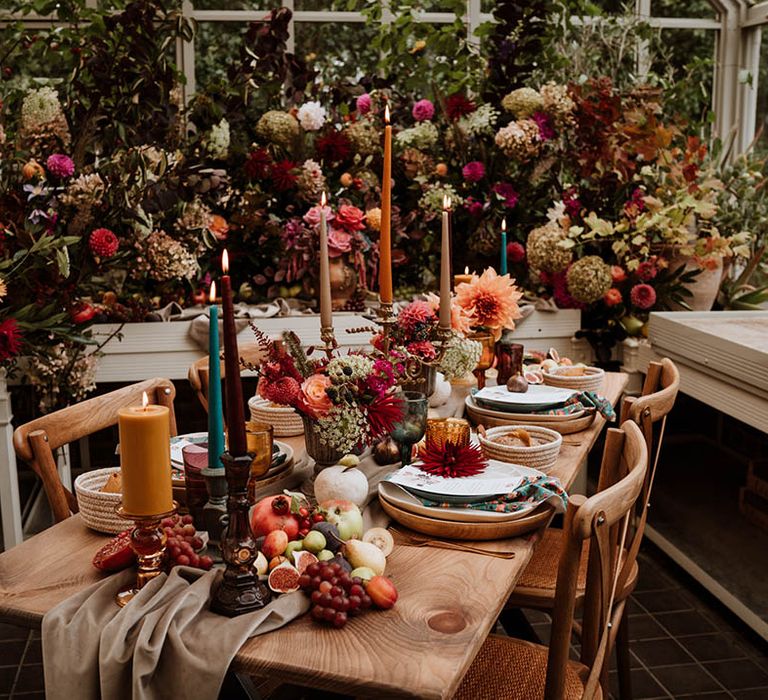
[411,428]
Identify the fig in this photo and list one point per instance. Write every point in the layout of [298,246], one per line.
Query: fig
[360,553]
[534,377]
[331,534]
[381,538]
[386,452]
[277,561]
[342,562]
[518,384]
[382,592]
[284,578]
[302,560]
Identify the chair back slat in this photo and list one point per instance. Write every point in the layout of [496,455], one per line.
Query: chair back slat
[602,519]
[36,441]
[198,374]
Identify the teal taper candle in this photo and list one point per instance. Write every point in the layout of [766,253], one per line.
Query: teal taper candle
[215,410]
[503,265]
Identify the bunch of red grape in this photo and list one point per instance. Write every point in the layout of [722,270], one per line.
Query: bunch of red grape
[307,520]
[334,593]
[183,543]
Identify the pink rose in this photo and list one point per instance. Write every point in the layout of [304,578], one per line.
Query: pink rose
[313,398]
[312,217]
[339,242]
[350,218]
[423,111]
[363,103]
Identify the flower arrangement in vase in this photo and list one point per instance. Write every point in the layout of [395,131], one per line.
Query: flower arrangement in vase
[346,401]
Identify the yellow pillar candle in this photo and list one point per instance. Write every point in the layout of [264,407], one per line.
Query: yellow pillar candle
[145,459]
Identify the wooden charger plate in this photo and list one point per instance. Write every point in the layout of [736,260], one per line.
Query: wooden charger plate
[565,425]
[469,531]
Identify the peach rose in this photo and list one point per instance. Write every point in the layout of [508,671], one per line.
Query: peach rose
[314,398]
[219,227]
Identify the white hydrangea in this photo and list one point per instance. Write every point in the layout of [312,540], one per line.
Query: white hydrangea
[481,121]
[460,358]
[422,136]
[40,106]
[311,116]
[432,199]
[218,140]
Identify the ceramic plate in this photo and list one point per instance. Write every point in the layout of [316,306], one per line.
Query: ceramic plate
[399,497]
[538,397]
[540,419]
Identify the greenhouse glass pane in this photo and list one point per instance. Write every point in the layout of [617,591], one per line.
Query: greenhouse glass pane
[338,5]
[338,50]
[236,4]
[216,45]
[684,62]
[761,122]
[683,8]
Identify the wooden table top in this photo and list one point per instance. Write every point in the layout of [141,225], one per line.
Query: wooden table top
[448,602]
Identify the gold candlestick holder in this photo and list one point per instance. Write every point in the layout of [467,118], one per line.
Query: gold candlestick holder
[240,590]
[328,339]
[148,542]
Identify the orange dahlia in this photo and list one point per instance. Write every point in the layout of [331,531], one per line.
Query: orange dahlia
[491,301]
[461,321]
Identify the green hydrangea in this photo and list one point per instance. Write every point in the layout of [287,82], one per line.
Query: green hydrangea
[523,102]
[422,136]
[278,127]
[364,137]
[218,140]
[460,358]
[589,279]
[543,251]
[351,368]
[432,199]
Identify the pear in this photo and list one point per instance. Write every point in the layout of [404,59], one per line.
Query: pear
[365,554]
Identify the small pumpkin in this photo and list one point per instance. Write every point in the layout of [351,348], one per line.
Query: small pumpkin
[32,169]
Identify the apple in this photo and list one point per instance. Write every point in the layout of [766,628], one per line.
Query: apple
[346,516]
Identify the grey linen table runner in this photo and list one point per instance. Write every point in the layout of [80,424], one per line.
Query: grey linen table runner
[165,643]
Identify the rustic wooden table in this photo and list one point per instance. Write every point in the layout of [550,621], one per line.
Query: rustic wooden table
[449,601]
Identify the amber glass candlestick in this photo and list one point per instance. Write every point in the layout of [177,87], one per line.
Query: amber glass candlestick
[148,542]
[240,590]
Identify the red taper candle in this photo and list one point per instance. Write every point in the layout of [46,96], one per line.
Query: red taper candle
[237,444]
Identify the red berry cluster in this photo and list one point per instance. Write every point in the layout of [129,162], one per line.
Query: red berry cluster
[183,543]
[334,593]
[307,520]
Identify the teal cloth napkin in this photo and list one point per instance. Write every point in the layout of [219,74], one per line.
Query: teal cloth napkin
[533,490]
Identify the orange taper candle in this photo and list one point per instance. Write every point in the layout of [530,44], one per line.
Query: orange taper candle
[145,459]
[385,239]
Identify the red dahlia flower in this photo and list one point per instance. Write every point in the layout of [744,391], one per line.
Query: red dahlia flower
[384,412]
[452,460]
[283,177]
[10,339]
[333,147]
[103,243]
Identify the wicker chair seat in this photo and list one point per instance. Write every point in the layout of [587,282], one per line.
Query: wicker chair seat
[511,669]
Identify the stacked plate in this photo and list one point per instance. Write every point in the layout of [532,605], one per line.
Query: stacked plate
[495,406]
[402,495]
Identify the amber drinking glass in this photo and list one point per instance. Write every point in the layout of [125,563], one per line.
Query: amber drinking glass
[444,430]
[486,357]
[258,438]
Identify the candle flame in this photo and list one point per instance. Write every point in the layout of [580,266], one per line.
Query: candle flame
[225,261]
[144,400]
[322,200]
[466,270]
[386,114]
[213,292]
[503,224]
[446,203]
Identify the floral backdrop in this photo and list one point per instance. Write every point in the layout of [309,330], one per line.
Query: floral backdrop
[116,198]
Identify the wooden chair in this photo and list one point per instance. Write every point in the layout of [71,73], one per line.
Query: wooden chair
[36,441]
[512,669]
[536,588]
[198,370]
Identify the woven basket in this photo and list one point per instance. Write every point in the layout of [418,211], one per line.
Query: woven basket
[591,381]
[284,419]
[541,457]
[97,509]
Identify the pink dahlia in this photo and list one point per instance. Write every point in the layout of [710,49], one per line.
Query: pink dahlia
[515,252]
[363,103]
[416,313]
[473,171]
[103,243]
[646,270]
[507,193]
[643,296]
[10,339]
[423,111]
[473,207]
[422,349]
[60,165]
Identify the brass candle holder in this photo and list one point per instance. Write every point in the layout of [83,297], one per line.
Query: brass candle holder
[148,542]
[328,339]
[240,590]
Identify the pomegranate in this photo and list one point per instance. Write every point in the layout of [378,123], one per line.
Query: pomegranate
[274,513]
[115,554]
